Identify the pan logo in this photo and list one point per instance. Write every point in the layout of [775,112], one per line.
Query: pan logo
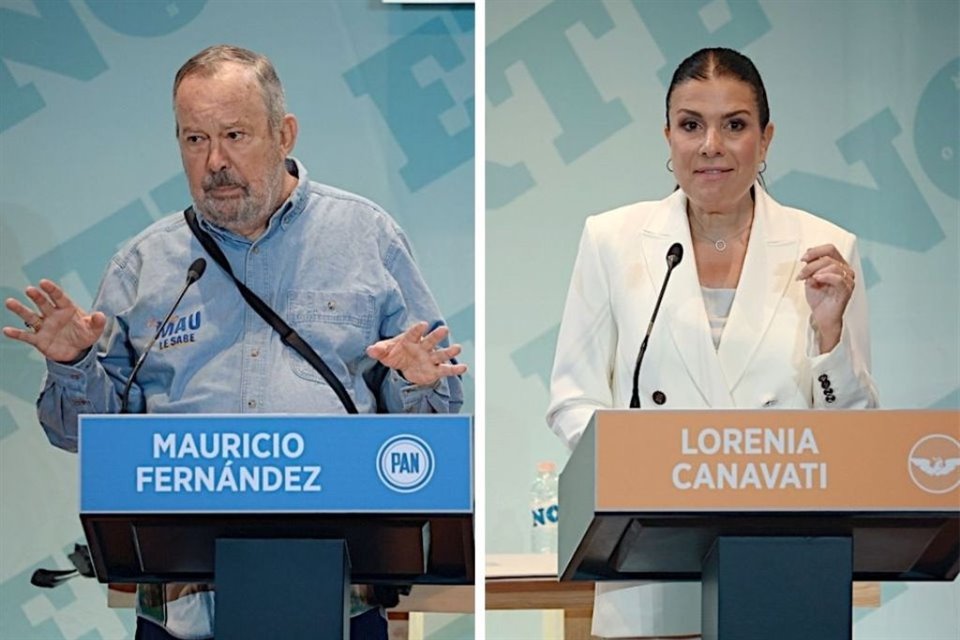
[934,463]
[405,463]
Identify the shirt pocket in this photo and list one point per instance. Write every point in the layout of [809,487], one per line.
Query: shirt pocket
[338,325]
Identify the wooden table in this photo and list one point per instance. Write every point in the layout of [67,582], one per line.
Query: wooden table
[529,581]
[516,582]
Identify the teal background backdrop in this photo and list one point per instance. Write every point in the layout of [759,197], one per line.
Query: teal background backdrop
[384,96]
[865,99]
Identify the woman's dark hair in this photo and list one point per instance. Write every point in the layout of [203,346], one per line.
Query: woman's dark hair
[718,62]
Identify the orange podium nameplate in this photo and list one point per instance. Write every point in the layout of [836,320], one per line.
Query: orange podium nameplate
[778,460]
[645,494]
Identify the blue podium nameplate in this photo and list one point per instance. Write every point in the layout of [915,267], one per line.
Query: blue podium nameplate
[280,463]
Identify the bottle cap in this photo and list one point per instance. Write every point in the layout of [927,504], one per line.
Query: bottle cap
[546,466]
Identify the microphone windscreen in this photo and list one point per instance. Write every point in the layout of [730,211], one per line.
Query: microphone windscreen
[675,254]
[196,270]
[48,578]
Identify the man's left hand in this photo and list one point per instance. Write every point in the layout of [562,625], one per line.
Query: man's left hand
[415,355]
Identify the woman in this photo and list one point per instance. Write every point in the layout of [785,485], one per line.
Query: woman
[766,311]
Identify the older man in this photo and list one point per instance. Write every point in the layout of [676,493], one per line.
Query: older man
[333,265]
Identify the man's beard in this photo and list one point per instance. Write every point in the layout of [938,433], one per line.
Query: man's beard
[239,213]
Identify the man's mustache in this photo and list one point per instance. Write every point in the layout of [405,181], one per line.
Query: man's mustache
[222,178]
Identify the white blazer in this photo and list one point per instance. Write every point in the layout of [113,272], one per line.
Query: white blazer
[767,358]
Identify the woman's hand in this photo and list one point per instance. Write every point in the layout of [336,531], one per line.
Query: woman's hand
[829,284]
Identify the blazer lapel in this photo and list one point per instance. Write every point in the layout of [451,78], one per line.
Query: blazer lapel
[768,268]
[682,311]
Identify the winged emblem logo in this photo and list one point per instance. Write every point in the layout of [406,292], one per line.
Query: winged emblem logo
[936,466]
[934,463]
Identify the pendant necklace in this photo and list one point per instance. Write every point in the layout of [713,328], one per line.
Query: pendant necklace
[720,244]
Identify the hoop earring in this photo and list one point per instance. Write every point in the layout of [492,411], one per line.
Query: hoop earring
[669,166]
[763,166]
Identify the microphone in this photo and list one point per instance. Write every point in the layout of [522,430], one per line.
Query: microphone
[82,566]
[193,274]
[674,256]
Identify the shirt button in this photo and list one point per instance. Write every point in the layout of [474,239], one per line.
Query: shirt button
[256,249]
[252,404]
[255,353]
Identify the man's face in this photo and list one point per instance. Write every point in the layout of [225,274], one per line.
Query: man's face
[233,160]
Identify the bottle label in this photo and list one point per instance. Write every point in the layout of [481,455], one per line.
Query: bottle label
[545,515]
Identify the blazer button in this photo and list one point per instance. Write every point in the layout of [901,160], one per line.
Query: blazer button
[659,397]
[828,391]
[831,398]
[824,384]
[823,377]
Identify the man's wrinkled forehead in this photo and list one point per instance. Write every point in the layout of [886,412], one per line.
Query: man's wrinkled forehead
[230,95]
[226,74]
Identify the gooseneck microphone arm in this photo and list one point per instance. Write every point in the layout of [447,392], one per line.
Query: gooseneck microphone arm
[674,256]
[193,274]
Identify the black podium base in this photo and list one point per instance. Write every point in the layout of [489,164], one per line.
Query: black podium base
[788,588]
[290,589]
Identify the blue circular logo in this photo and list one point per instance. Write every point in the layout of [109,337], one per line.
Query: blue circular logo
[405,463]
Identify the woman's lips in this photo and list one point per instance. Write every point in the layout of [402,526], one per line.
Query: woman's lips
[712,173]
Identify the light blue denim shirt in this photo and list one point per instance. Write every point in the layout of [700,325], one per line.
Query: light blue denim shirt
[334,265]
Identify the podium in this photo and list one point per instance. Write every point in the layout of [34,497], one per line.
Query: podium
[776,512]
[281,512]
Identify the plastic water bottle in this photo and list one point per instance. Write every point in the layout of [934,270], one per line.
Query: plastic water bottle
[543,509]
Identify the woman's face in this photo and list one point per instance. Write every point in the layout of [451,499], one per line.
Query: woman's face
[716,144]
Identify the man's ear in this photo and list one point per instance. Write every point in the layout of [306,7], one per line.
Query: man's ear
[288,133]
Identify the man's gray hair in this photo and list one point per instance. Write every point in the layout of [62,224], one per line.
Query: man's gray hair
[211,59]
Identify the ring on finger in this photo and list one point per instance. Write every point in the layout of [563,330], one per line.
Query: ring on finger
[35,325]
